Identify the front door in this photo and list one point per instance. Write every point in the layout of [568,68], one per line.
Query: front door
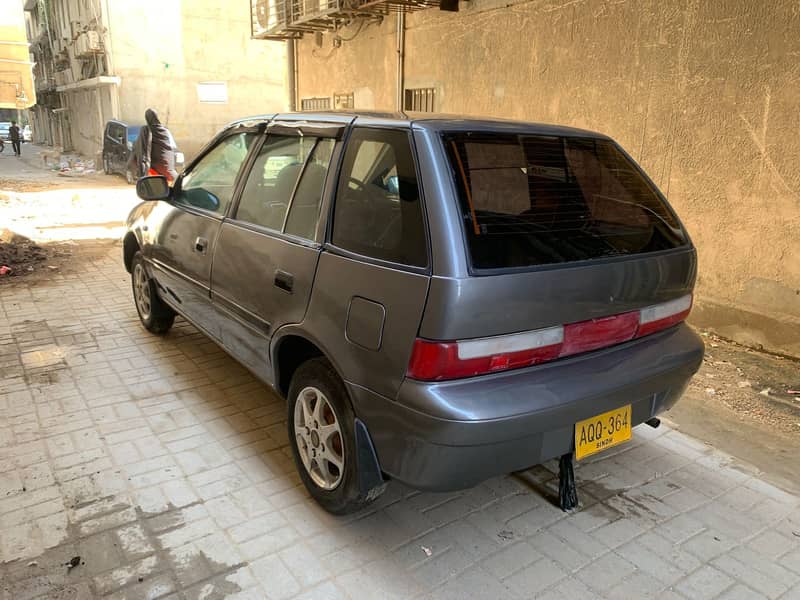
[266,256]
[184,245]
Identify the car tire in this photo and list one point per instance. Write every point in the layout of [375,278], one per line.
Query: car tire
[318,398]
[154,313]
[106,167]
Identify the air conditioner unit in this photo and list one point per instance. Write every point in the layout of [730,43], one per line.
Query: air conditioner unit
[87,43]
[93,42]
[271,19]
[81,45]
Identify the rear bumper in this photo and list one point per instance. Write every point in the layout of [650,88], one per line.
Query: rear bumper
[453,435]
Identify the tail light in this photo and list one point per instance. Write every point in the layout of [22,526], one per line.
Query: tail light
[658,317]
[440,361]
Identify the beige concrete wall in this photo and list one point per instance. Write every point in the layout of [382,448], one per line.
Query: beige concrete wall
[706,95]
[16,75]
[162,50]
[366,67]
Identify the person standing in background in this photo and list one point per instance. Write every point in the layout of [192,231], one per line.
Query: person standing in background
[14,134]
[155,149]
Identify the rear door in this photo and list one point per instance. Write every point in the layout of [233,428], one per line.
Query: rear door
[184,243]
[372,279]
[267,252]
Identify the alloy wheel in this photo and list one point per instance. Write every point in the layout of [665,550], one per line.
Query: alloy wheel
[141,290]
[319,438]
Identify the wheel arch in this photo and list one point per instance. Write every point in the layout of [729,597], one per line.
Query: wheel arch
[130,244]
[290,350]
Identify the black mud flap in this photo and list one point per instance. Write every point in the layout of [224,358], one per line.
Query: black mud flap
[567,492]
[370,479]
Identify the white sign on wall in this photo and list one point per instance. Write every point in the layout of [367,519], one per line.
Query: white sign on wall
[212,92]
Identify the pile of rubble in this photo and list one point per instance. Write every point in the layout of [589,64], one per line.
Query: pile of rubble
[18,254]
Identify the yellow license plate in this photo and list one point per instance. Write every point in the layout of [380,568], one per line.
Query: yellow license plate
[603,431]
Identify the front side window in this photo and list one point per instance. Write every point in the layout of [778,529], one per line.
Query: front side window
[210,183]
[378,212]
[530,199]
[272,186]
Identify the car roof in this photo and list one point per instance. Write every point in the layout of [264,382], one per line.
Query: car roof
[429,121]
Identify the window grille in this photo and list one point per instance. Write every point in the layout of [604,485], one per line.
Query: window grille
[419,99]
[343,101]
[322,103]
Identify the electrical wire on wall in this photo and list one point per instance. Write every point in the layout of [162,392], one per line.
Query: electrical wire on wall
[364,21]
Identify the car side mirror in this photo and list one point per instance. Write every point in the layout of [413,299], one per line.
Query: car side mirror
[152,188]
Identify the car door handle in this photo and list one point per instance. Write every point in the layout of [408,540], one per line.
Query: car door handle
[201,245]
[284,280]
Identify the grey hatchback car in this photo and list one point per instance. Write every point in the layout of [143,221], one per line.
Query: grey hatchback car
[439,299]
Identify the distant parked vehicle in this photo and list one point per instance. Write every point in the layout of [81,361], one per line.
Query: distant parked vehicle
[4,135]
[118,141]
[27,134]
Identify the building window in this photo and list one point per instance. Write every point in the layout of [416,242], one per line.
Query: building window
[343,101]
[315,104]
[419,100]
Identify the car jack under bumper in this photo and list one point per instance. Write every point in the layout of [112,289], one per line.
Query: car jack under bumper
[567,491]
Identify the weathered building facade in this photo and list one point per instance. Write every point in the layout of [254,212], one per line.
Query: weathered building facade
[193,62]
[704,95]
[16,74]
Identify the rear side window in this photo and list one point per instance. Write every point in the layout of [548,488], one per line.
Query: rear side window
[287,177]
[378,212]
[531,200]
[304,213]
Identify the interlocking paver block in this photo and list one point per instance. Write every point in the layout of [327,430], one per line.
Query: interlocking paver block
[705,583]
[169,449]
[536,577]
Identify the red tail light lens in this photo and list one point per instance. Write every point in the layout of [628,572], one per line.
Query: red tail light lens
[440,361]
[437,361]
[599,333]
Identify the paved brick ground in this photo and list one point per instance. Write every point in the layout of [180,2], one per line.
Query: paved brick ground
[164,466]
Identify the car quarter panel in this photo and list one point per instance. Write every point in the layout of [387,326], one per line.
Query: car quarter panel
[441,206]
[342,285]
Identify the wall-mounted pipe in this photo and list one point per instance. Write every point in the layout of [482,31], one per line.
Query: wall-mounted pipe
[401,55]
[291,71]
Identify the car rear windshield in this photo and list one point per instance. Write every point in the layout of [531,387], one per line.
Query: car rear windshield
[531,200]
